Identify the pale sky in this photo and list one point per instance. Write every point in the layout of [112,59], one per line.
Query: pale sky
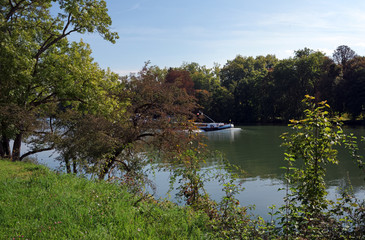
[169,33]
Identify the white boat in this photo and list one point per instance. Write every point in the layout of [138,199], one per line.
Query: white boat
[213,126]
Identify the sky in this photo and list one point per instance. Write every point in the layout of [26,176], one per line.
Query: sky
[169,33]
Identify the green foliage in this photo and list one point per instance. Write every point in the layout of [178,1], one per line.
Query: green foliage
[353,86]
[145,113]
[203,77]
[265,89]
[307,212]
[227,219]
[294,78]
[93,209]
[244,77]
[40,70]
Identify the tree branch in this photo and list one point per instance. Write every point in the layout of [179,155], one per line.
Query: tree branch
[145,135]
[47,44]
[49,99]
[36,103]
[35,151]
[13,9]
[126,167]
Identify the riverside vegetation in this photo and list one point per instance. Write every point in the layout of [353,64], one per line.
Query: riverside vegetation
[53,96]
[36,203]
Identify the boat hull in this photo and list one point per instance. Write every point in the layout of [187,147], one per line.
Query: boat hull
[215,127]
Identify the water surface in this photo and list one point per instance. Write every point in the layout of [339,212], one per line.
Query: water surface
[256,149]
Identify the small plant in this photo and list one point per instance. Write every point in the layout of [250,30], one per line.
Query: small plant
[186,169]
[228,220]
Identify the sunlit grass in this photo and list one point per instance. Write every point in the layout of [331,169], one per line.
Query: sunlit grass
[36,203]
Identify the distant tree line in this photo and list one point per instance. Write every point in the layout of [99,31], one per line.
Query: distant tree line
[265,89]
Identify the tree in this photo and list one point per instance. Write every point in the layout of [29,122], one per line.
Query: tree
[294,78]
[154,118]
[244,78]
[181,78]
[235,70]
[328,82]
[204,78]
[343,54]
[353,87]
[39,69]
[222,104]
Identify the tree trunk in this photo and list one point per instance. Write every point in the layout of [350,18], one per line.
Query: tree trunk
[74,166]
[4,147]
[106,168]
[2,151]
[68,166]
[110,163]
[17,147]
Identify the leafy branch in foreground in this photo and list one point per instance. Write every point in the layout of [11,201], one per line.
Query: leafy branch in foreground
[307,212]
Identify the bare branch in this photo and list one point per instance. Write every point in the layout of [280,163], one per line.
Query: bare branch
[36,103]
[67,24]
[47,44]
[125,165]
[49,99]
[50,124]
[145,135]
[35,151]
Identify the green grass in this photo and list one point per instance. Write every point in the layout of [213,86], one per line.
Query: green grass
[36,203]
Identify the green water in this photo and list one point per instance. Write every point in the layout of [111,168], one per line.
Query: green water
[256,149]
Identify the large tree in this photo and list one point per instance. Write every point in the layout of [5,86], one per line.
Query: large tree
[343,54]
[40,70]
[155,117]
[244,78]
[181,78]
[352,87]
[294,78]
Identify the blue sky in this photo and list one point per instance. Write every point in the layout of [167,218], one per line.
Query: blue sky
[169,33]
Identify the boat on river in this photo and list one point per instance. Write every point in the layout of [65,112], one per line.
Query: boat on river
[213,126]
[207,127]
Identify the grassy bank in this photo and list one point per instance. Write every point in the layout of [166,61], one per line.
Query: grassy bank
[36,203]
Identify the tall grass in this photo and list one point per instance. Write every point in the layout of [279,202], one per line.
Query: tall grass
[36,203]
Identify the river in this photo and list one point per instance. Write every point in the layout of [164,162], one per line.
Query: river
[256,150]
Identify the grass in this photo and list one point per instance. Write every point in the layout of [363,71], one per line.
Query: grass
[36,203]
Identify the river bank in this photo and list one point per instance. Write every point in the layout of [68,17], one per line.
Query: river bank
[37,203]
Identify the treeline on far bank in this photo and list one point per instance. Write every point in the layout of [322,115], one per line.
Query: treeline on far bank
[264,89]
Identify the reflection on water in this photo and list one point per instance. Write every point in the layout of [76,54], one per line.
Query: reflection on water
[256,149]
[227,135]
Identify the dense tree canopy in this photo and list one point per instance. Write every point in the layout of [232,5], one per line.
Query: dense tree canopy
[266,89]
[41,70]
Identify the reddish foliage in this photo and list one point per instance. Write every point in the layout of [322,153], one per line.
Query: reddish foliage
[182,79]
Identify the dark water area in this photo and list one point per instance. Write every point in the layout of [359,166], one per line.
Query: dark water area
[256,150]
